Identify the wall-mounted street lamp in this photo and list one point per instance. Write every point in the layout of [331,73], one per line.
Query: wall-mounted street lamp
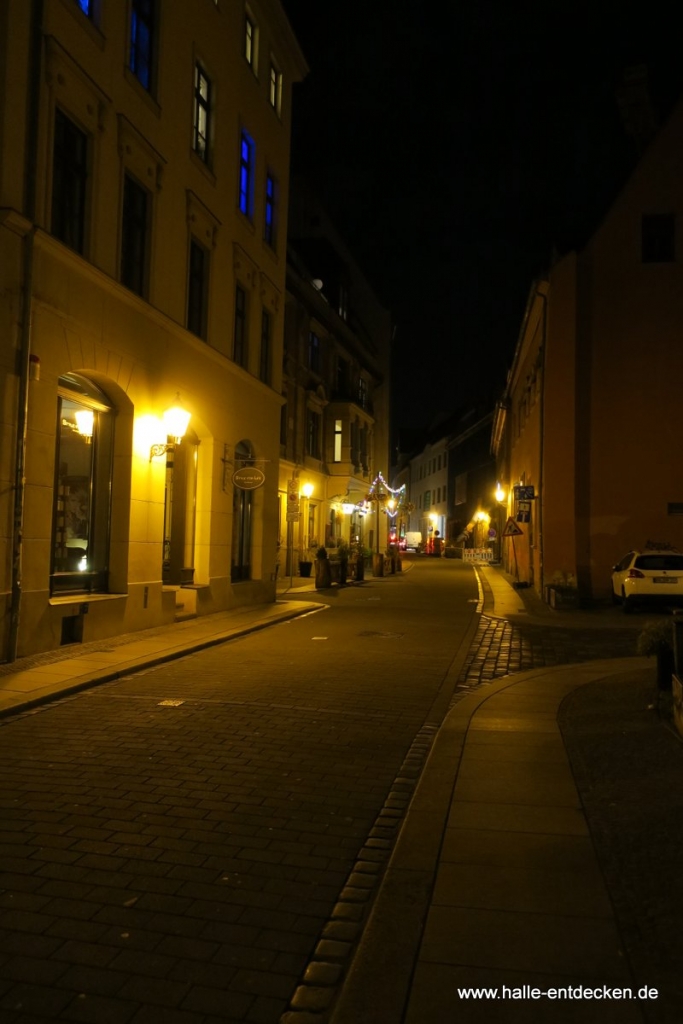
[176,421]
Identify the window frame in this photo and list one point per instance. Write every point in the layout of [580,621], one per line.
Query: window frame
[314,352]
[82,392]
[247,165]
[313,433]
[240,334]
[141,285]
[201,141]
[251,40]
[197,313]
[266,346]
[270,210]
[142,53]
[275,86]
[73,172]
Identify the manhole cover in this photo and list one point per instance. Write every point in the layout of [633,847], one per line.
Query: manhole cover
[170,703]
[379,633]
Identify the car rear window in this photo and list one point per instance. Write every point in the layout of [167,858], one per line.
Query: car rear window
[672,563]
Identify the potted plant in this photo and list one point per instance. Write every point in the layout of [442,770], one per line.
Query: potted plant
[306,560]
[357,561]
[323,572]
[343,552]
[656,639]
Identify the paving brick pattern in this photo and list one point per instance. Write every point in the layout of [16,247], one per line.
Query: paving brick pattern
[500,648]
[214,859]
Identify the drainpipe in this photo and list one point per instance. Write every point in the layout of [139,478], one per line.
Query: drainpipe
[544,299]
[32,113]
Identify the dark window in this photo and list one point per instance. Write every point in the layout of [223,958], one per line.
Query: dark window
[314,352]
[134,236]
[362,392]
[141,41]
[246,193]
[269,229]
[69,182]
[313,434]
[264,364]
[658,238]
[675,508]
[202,113]
[343,378]
[197,289]
[283,422]
[82,495]
[240,352]
[672,563]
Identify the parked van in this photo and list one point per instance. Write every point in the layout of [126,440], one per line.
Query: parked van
[413,540]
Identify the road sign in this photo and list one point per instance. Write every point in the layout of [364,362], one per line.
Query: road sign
[511,529]
[293,500]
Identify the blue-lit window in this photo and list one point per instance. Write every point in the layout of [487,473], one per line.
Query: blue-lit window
[269,230]
[87,7]
[141,41]
[202,113]
[246,195]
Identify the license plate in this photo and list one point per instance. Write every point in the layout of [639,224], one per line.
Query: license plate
[665,579]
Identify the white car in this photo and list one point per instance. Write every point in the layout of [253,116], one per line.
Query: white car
[648,577]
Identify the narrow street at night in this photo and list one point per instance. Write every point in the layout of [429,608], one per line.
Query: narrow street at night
[173,844]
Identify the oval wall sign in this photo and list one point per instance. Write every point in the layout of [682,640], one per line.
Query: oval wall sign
[248,478]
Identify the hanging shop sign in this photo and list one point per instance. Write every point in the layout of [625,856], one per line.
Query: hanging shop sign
[248,478]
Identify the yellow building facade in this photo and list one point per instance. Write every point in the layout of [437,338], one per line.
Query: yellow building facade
[143,217]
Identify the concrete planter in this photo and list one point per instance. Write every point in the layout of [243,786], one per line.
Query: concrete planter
[562,598]
[323,573]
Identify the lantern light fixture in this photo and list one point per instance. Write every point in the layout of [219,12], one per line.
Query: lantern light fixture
[176,421]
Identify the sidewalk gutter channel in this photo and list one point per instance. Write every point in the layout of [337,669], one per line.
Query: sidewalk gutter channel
[315,998]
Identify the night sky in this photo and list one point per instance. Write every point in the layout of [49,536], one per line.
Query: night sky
[457,147]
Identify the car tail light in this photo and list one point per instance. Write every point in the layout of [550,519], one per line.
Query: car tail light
[636,574]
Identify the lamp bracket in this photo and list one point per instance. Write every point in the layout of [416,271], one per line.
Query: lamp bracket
[161,449]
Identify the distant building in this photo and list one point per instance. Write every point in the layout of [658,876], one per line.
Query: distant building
[591,417]
[334,435]
[450,481]
[143,217]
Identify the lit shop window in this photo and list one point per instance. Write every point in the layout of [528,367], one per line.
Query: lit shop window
[82,496]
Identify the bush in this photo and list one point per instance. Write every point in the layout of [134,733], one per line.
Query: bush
[656,638]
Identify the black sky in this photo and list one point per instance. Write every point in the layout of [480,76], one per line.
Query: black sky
[456,147]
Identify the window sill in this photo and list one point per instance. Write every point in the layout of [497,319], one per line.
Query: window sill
[76,598]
